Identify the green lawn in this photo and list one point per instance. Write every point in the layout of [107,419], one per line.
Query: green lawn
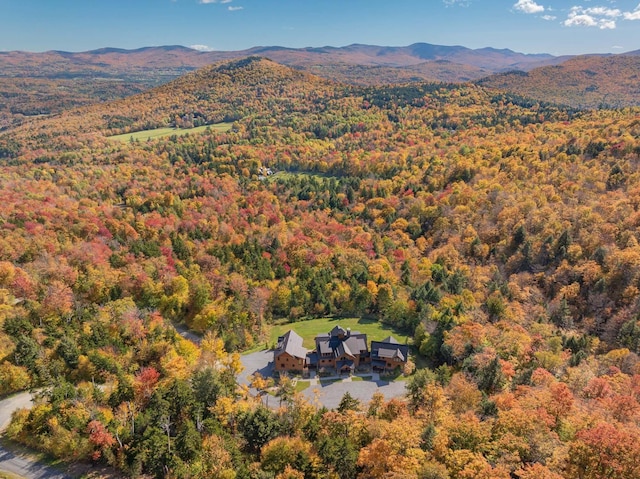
[302,385]
[163,132]
[374,330]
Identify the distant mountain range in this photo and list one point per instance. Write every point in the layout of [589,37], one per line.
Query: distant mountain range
[420,58]
[54,81]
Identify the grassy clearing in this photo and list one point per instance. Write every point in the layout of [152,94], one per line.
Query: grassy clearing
[286,175]
[395,375]
[358,378]
[374,330]
[302,385]
[164,132]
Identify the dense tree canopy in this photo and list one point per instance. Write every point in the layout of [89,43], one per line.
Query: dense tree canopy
[501,233]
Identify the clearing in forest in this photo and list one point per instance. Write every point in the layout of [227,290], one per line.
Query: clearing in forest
[308,330]
[145,135]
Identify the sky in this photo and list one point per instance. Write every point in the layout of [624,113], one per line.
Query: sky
[559,27]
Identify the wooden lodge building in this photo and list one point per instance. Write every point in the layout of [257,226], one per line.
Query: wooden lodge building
[289,354]
[388,354]
[340,350]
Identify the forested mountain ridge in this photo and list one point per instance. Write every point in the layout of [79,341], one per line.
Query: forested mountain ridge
[58,63]
[47,83]
[33,84]
[500,232]
[581,82]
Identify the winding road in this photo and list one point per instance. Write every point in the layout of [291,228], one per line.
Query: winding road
[18,463]
[17,460]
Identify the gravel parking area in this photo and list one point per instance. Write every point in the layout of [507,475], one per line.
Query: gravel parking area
[261,362]
[330,393]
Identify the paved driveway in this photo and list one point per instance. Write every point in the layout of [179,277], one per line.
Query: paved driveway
[328,394]
[261,362]
[13,461]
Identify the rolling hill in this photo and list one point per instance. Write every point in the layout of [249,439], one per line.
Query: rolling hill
[582,82]
[36,84]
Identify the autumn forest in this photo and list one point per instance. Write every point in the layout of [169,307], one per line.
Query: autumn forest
[499,232]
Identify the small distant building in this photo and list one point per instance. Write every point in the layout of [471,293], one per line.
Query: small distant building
[341,349]
[289,354]
[388,354]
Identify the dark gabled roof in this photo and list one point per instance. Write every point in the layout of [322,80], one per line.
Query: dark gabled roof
[389,348]
[338,331]
[342,349]
[322,343]
[340,342]
[345,363]
[291,344]
[357,342]
[391,353]
[312,358]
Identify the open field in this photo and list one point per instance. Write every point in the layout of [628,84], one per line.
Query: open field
[374,330]
[285,175]
[163,132]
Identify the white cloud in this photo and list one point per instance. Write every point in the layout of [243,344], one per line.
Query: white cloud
[235,9]
[457,3]
[607,24]
[635,15]
[601,17]
[580,20]
[528,6]
[214,1]
[549,18]
[617,47]
[603,12]
[201,48]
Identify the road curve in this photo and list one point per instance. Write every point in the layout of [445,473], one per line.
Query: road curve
[15,462]
[25,465]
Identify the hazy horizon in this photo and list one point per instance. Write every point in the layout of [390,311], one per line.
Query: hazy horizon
[557,27]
